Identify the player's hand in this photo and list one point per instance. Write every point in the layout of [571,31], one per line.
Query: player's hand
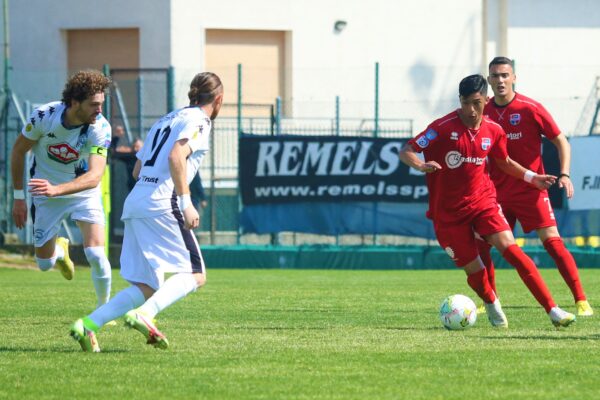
[19,213]
[191,219]
[543,182]
[565,182]
[41,187]
[429,167]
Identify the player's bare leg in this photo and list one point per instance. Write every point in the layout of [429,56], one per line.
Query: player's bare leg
[567,267]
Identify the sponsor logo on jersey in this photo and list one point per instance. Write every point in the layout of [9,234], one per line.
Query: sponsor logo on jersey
[28,128]
[148,179]
[32,120]
[63,153]
[486,143]
[422,142]
[41,114]
[450,252]
[51,110]
[431,134]
[514,135]
[454,159]
[514,119]
[51,135]
[38,234]
[454,136]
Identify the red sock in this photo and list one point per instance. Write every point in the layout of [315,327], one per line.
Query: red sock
[484,252]
[480,284]
[529,275]
[566,265]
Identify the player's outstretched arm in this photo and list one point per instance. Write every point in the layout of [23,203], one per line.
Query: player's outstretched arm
[17,164]
[513,168]
[564,155]
[408,156]
[178,169]
[88,180]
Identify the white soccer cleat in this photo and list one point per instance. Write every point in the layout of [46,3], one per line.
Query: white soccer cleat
[560,317]
[495,314]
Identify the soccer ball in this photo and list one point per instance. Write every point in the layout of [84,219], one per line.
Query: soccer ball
[458,312]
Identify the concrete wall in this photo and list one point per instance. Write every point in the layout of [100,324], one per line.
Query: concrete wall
[424,48]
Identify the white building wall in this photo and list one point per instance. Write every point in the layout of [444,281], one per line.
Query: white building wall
[424,48]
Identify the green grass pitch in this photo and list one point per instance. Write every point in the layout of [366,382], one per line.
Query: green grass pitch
[284,334]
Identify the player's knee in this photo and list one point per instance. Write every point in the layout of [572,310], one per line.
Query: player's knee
[97,259]
[45,264]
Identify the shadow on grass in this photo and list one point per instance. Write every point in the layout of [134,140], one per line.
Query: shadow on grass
[17,349]
[538,337]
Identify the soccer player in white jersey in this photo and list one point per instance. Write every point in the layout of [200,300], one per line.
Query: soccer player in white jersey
[69,140]
[159,217]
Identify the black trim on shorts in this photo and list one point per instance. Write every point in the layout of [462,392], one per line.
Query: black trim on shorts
[190,244]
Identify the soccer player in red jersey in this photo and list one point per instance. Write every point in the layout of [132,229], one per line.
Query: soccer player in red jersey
[525,121]
[462,198]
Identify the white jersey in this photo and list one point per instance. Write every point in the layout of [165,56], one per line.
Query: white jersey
[154,191]
[61,154]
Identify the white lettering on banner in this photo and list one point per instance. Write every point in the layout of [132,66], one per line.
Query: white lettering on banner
[415,192]
[320,155]
[345,158]
[585,173]
[289,156]
[266,158]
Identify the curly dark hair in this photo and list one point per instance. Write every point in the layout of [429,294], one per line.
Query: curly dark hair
[84,84]
[204,88]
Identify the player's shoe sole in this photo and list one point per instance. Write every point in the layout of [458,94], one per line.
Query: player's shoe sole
[138,321]
[65,265]
[86,338]
[584,309]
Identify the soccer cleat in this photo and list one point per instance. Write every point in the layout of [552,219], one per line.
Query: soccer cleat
[560,317]
[143,324]
[86,337]
[584,309]
[65,265]
[495,314]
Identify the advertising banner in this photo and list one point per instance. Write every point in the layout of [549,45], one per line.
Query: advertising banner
[585,173]
[286,169]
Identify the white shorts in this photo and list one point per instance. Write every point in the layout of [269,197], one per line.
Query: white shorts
[47,214]
[154,246]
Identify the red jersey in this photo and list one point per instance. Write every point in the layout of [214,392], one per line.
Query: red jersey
[462,187]
[525,121]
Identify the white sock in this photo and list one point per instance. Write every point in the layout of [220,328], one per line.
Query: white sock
[101,273]
[45,264]
[175,288]
[59,252]
[125,300]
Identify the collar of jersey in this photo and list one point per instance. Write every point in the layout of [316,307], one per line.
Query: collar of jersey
[62,121]
[507,104]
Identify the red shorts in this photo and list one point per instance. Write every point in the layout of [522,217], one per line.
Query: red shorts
[533,213]
[459,239]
